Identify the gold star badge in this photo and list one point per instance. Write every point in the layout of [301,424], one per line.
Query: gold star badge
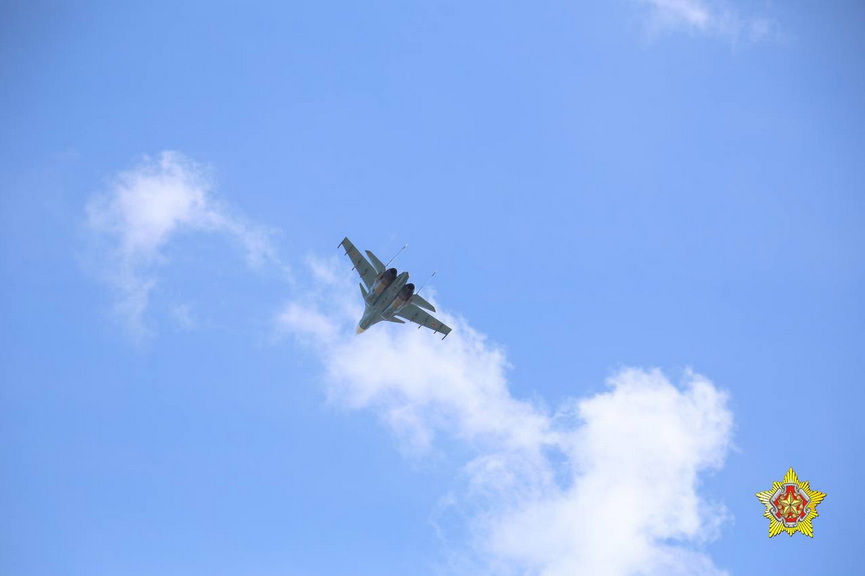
[790,506]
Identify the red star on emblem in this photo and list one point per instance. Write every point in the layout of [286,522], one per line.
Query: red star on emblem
[790,504]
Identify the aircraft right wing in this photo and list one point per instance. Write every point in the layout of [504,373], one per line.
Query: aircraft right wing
[415,314]
[367,274]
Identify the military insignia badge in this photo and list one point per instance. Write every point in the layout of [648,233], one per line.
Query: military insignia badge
[790,506]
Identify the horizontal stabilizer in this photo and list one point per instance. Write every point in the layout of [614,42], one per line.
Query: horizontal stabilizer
[376,263]
[363,291]
[416,299]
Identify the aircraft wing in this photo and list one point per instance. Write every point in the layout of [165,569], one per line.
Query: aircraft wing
[364,268]
[419,316]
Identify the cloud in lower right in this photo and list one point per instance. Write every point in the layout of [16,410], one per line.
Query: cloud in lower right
[606,485]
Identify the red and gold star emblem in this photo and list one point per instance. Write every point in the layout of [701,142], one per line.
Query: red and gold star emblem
[790,506]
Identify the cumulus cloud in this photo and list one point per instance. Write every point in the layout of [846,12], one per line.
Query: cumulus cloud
[144,209]
[603,485]
[709,17]
[632,503]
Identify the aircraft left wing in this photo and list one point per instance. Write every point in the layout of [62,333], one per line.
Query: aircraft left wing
[419,316]
[364,268]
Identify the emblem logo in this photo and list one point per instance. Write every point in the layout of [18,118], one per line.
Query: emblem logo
[790,506]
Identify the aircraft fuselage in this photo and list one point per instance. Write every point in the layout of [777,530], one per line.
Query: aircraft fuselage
[377,305]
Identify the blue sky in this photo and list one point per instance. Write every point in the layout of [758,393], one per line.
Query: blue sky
[646,218]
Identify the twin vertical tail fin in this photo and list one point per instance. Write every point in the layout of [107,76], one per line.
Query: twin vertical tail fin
[376,263]
[417,299]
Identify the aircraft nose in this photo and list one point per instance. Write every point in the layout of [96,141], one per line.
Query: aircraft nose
[359,330]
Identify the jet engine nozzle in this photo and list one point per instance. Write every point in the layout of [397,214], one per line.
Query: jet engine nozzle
[403,297]
[382,281]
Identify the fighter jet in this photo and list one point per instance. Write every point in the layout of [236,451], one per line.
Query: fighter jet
[388,295]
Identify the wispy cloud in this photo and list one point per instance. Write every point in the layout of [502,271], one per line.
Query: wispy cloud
[183,317]
[707,17]
[604,485]
[144,209]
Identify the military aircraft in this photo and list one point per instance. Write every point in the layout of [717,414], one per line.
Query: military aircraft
[388,296]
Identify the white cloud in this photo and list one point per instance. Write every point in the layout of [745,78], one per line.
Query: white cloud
[143,210]
[606,485]
[710,17]
[689,13]
[183,317]
[307,321]
[632,501]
